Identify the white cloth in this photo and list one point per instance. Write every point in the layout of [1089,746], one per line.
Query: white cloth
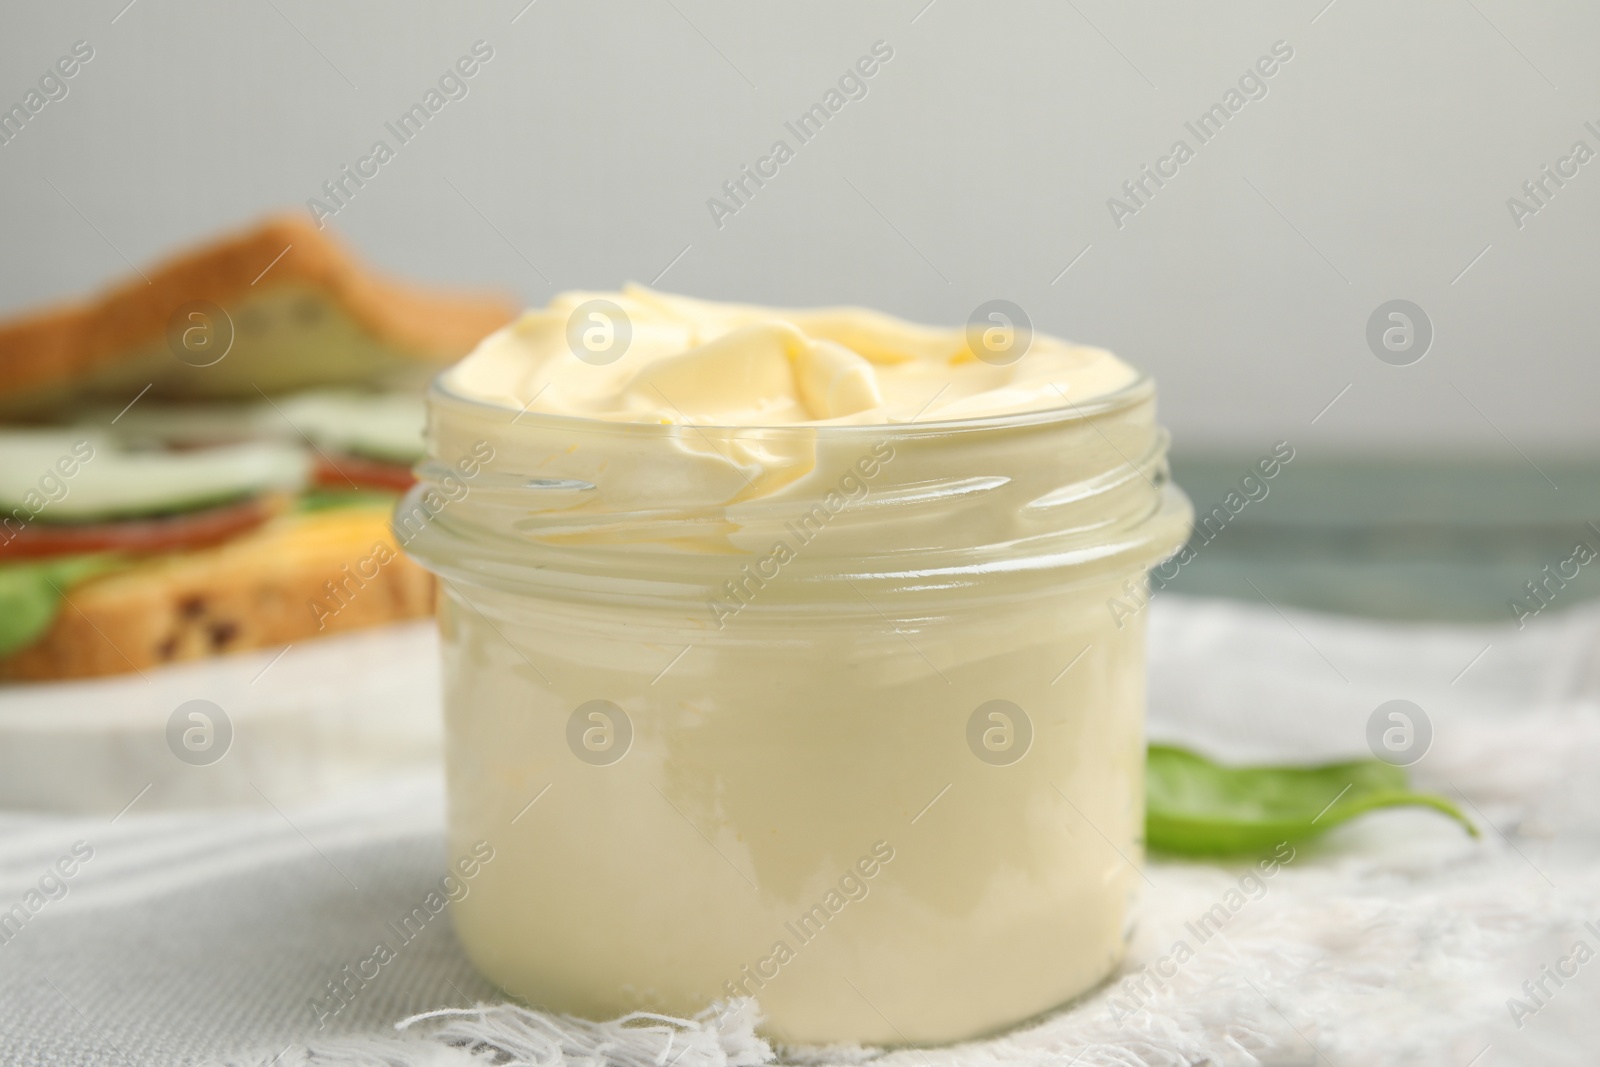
[203,937]
[289,724]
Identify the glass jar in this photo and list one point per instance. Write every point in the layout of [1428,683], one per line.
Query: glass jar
[845,718]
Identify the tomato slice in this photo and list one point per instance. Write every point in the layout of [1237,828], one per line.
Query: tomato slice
[163,533]
[341,472]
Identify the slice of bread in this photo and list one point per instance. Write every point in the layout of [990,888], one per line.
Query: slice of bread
[298,576]
[298,312]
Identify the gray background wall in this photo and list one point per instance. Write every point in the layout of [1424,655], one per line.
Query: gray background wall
[979,165]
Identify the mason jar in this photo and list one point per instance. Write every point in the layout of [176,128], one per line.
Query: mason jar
[845,718]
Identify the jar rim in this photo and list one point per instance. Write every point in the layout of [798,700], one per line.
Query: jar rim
[1046,492]
[441,393]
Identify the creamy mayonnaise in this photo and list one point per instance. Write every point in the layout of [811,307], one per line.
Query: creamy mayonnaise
[777,662]
[693,361]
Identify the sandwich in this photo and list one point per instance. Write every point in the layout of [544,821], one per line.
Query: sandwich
[203,459]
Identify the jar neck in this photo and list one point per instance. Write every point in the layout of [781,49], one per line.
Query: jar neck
[680,511]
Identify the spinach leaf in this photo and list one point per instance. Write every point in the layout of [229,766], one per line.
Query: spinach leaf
[1199,808]
[28,599]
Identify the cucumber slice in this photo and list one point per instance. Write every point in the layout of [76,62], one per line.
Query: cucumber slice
[383,426]
[60,476]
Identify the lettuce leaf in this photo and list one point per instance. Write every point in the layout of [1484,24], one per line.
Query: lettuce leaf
[30,593]
[1199,808]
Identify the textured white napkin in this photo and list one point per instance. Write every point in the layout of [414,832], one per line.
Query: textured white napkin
[200,938]
[285,726]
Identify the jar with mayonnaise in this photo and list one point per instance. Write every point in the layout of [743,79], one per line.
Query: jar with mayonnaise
[787,656]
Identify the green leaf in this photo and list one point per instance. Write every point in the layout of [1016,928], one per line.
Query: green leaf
[30,594]
[323,499]
[1199,808]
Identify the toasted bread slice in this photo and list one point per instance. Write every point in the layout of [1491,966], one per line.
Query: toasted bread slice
[298,312]
[299,576]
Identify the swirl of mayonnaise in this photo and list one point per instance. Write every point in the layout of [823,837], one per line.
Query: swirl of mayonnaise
[708,428]
[712,364]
